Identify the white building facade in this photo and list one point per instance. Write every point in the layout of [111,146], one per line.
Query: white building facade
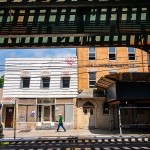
[37,90]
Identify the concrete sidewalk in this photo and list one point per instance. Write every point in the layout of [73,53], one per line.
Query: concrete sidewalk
[9,133]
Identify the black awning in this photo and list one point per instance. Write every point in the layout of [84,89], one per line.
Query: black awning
[130,76]
[108,80]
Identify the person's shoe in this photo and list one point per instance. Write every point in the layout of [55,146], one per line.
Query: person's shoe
[64,130]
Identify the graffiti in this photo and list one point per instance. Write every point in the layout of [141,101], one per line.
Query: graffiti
[70,61]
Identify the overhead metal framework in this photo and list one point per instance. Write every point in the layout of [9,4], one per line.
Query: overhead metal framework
[74,23]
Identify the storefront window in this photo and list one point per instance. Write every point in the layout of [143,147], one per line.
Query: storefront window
[60,109]
[26,113]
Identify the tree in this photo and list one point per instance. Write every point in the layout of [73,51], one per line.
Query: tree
[1,81]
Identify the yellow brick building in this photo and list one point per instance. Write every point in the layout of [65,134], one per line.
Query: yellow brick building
[94,63]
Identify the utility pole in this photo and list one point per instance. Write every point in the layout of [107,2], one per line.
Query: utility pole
[15,121]
[120,125]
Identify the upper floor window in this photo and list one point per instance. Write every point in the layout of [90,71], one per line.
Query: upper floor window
[92,54]
[92,79]
[25,82]
[112,72]
[65,82]
[45,82]
[131,53]
[112,53]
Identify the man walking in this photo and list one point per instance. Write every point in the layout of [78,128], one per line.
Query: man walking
[60,123]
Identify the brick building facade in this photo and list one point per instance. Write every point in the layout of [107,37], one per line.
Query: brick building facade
[94,63]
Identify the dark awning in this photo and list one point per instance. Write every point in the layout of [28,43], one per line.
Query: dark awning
[107,80]
[130,77]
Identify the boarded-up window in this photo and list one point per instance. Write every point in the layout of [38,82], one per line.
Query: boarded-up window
[26,113]
[68,113]
[64,101]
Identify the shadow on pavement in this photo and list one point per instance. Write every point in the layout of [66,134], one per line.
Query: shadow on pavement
[116,132]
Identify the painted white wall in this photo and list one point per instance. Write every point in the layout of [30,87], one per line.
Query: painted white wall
[12,81]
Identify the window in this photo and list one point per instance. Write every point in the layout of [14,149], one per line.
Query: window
[25,82]
[112,72]
[85,111]
[65,82]
[92,53]
[112,53]
[45,82]
[26,113]
[105,108]
[91,111]
[131,53]
[92,79]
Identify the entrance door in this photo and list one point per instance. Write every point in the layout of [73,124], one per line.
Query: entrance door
[9,117]
[91,118]
[89,115]
[46,113]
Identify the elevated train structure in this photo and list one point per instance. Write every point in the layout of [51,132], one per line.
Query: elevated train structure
[74,23]
[81,143]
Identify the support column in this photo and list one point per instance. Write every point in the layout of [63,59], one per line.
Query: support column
[120,125]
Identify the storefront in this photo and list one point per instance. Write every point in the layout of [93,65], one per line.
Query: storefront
[38,113]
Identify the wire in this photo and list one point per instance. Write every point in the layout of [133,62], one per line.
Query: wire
[59,75]
[52,59]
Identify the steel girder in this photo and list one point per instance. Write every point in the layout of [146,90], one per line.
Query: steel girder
[71,3]
[74,23]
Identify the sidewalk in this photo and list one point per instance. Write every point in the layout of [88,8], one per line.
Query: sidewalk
[9,133]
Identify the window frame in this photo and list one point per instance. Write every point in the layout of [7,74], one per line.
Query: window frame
[112,72]
[131,53]
[42,82]
[22,82]
[91,85]
[114,53]
[91,58]
[68,79]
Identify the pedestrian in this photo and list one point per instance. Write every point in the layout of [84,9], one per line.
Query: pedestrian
[60,123]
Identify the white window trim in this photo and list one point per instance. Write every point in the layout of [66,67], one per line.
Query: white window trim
[131,53]
[89,79]
[112,53]
[89,53]
[42,83]
[22,83]
[62,83]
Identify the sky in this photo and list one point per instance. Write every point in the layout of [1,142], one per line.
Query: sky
[31,53]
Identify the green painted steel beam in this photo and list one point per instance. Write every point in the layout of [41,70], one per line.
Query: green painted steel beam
[71,3]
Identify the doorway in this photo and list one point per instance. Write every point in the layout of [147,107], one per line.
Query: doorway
[46,113]
[89,115]
[9,117]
